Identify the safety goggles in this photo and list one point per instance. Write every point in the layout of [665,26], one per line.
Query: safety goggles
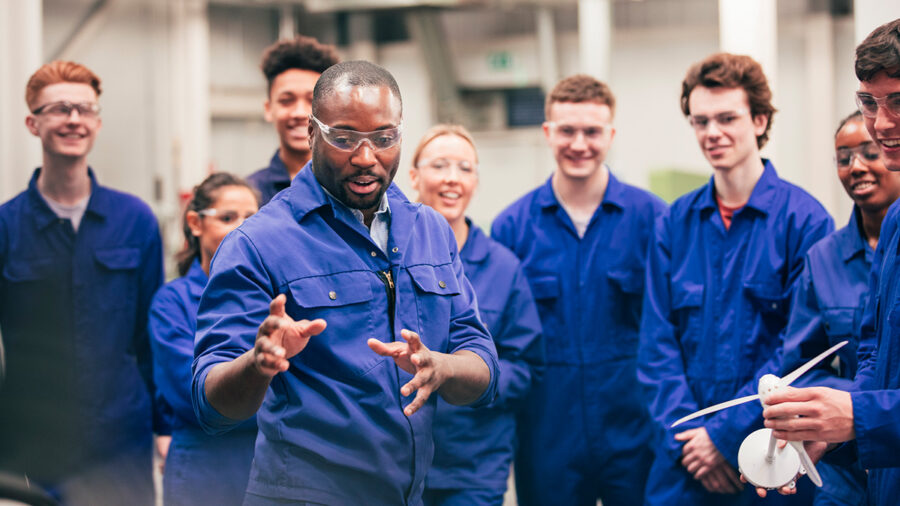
[224,216]
[63,109]
[591,133]
[722,120]
[869,104]
[442,164]
[867,153]
[351,140]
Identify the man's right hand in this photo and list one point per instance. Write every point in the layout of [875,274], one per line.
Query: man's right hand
[280,337]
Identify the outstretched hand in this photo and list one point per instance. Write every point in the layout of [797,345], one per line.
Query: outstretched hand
[429,368]
[280,337]
[810,414]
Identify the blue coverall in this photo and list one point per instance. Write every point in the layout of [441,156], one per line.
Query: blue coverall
[584,432]
[76,409]
[332,429]
[876,399]
[200,469]
[270,180]
[828,302]
[717,301]
[473,448]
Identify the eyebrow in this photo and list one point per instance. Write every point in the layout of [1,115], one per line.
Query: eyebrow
[860,144]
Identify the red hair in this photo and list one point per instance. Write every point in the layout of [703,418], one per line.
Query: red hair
[59,71]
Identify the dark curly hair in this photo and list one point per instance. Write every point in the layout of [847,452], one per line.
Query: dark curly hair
[301,52]
[204,196]
[726,70]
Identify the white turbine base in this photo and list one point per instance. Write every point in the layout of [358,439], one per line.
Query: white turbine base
[781,471]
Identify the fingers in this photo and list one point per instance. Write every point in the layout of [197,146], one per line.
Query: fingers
[276,307]
[269,357]
[311,328]
[415,343]
[686,435]
[394,349]
[732,476]
[422,396]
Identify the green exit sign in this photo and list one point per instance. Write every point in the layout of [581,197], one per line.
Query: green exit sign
[500,60]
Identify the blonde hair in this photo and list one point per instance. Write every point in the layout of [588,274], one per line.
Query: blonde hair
[441,130]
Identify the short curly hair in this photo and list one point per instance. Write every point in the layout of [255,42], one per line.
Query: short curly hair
[301,52]
[726,70]
[580,88]
[880,51]
[59,71]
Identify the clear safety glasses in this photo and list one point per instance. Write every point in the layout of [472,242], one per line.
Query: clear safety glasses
[351,140]
[867,153]
[64,109]
[869,104]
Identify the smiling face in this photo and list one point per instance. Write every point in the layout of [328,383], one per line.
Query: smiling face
[360,177]
[580,135]
[885,126]
[288,108]
[725,130]
[446,176]
[865,178]
[73,136]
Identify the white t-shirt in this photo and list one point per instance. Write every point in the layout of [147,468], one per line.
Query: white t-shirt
[73,213]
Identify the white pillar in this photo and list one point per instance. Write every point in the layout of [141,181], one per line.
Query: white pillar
[870,14]
[546,38]
[21,29]
[595,37]
[287,24]
[751,28]
[190,92]
[818,173]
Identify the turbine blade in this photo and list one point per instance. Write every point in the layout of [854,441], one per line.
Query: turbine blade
[796,373]
[717,407]
[807,463]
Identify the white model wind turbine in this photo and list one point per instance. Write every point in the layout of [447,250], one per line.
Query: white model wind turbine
[761,463]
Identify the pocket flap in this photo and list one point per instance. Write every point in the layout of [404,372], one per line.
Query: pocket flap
[333,290]
[17,271]
[839,321]
[770,296]
[438,279]
[118,258]
[546,287]
[630,280]
[687,296]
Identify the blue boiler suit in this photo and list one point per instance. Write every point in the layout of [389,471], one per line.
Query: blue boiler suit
[270,180]
[200,469]
[584,431]
[473,448]
[332,429]
[76,411]
[876,395]
[828,303]
[716,304]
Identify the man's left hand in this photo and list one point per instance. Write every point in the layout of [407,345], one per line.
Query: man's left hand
[429,368]
[706,464]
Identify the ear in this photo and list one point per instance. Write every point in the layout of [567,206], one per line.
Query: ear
[545,126]
[194,223]
[760,122]
[612,133]
[267,111]
[414,178]
[31,125]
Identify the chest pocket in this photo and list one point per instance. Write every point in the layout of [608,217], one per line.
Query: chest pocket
[345,302]
[624,299]
[116,285]
[435,287]
[772,302]
[38,269]
[840,323]
[546,290]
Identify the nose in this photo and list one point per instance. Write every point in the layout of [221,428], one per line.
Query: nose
[74,116]
[579,142]
[364,155]
[712,129]
[857,165]
[302,108]
[884,120]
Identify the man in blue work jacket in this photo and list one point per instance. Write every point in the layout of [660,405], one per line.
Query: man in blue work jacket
[720,273]
[870,412]
[291,68]
[306,297]
[80,263]
[582,238]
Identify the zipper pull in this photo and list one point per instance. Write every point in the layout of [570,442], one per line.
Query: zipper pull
[390,280]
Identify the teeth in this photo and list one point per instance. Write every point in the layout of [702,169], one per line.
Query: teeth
[891,143]
[450,195]
[863,185]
